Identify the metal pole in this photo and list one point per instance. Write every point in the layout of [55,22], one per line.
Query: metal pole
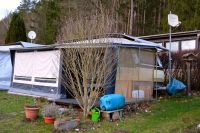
[156,75]
[170,59]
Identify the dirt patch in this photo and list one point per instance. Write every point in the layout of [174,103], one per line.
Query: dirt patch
[136,107]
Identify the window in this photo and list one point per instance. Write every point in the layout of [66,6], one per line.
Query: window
[187,45]
[37,68]
[174,46]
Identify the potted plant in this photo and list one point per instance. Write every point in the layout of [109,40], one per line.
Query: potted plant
[50,111]
[31,111]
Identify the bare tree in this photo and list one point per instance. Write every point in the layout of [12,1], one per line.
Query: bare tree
[88,71]
[4,25]
[85,27]
[7,19]
[88,65]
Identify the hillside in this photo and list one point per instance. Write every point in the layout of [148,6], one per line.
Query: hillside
[135,17]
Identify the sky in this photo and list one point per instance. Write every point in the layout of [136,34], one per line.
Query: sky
[7,6]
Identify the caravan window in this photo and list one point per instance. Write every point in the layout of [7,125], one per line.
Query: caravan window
[174,46]
[187,45]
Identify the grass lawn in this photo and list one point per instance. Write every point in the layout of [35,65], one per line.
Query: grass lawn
[175,115]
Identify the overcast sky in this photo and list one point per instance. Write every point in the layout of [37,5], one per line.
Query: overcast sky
[7,6]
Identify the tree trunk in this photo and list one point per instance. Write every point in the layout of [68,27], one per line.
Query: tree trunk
[144,17]
[154,21]
[117,17]
[131,17]
[137,20]
[85,113]
[159,15]
[128,23]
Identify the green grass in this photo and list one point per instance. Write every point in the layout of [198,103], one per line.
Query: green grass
[12,117]
[175,115]
[167,116]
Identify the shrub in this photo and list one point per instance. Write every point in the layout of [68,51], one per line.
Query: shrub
[50,110]
[179,69]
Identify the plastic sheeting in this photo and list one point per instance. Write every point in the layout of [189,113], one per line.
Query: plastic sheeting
[136,65]
[5,69]
[135,73]
[175,86]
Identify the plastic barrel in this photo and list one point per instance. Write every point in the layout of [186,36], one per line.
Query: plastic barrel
[112,102]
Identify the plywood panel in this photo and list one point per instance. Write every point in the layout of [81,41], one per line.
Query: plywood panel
[148,91]
[145,88]
[124,87]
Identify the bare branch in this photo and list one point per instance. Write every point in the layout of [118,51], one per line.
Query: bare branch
[88,69]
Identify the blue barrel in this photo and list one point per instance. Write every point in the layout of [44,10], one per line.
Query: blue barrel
[112,102]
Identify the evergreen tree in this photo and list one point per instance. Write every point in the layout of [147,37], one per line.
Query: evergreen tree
[47,19]
[17,30]
[135,17]
[52,20]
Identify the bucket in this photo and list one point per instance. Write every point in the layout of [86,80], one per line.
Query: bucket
[95,114]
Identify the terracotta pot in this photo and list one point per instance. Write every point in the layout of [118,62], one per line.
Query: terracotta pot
[31,112]
[49,120]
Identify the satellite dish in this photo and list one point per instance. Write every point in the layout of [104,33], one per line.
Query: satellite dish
[32,35]
[173,20]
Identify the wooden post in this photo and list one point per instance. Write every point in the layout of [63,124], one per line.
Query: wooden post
[188,78]
[189,58]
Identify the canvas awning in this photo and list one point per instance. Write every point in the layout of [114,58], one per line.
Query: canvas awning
[5,61]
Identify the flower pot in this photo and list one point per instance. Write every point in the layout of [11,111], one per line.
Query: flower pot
[49,120]
[31,112]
